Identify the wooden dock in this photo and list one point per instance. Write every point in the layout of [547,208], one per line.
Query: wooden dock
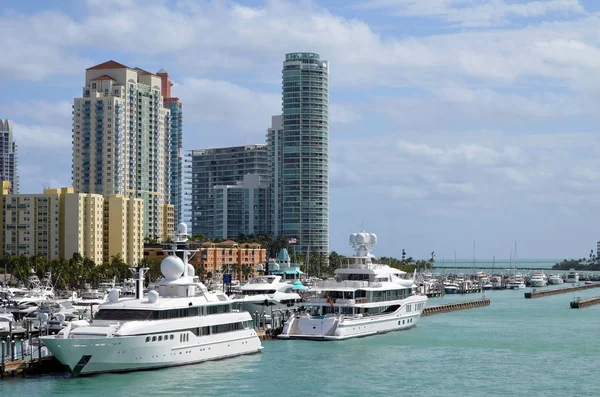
[579,303]
[452,307]
[549,292]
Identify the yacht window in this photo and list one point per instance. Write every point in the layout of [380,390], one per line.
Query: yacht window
[147,339]
[154,339]
[171,337]
[218,329]
[218,309]
[160,338]
[122,314]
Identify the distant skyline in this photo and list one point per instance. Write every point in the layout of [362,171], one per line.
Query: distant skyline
[450,121]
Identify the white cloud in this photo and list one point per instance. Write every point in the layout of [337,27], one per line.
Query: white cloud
[477,13]
[42,111]
[41,137]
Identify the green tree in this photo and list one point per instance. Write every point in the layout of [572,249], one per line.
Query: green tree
[246,270]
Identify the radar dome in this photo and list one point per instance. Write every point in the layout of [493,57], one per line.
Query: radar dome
[373,238]
[353,238]
[191,272]
[182,228]
[172,267]
[260,267]
[360,238]
[113,295]
[152,296]
[44,317]
[60,317]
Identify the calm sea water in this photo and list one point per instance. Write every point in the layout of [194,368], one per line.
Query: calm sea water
[516,346]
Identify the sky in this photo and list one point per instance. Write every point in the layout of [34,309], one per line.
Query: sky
[451,121]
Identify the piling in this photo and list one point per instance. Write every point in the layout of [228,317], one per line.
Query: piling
[579,303]
[549,292]
[3,354]
[451,307]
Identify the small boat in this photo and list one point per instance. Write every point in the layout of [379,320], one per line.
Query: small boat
[515,282]
[538,279]
[572,277]
[450,288]
[555,279]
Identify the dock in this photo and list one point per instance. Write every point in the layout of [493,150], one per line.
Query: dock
[579,303]
[549,292]
[452,307]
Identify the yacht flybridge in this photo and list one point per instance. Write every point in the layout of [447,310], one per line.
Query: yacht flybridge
[179,323]
[365,298]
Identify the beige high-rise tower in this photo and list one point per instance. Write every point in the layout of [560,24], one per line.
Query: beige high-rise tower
[121,141]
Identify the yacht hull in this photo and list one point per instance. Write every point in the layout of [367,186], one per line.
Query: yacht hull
[535,283]
[132,353]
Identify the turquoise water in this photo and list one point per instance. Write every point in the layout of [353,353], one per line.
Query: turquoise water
[516,346]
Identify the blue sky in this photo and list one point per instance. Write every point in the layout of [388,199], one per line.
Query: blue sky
[451,120]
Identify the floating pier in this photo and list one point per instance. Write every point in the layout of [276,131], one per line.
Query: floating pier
[452,307]
[579,303]
[548,292]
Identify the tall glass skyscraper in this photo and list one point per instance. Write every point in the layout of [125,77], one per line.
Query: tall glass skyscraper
[304,164]
[8,156]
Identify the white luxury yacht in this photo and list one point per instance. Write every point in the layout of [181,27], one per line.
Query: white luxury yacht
[181,323]
[538,279]
[265,293]
[572,277]
[555,279]
[365,298]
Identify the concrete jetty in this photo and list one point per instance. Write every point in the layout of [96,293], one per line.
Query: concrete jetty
[548,292]
[451,307]
[579,303]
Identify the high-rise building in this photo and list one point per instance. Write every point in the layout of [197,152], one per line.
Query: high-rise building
[275,156]
[241,208]
[121,140]
[222,166]
[8,156]
[175,176]
[304,162]
[60,222]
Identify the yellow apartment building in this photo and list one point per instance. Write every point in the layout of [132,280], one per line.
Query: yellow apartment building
[123,228]
[60,222]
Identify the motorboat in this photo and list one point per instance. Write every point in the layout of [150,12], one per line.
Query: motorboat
[515,282]
[538,279]
[496,282]
[265,294]
[178,323]
[450,287]
[572,277]
[365,298]
[555,279]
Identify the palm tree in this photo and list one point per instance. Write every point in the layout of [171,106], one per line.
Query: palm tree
[247,270]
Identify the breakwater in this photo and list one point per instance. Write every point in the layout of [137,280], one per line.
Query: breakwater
[451,307]
[549,292]
[579,303]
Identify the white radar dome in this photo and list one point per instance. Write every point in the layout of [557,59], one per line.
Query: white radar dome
[60,317]
[360,238]
[353,238]
[373,238]
[172,267]
[260,267]
[152,296]
[113,295]
[182,228]
[44,317]
[191,272]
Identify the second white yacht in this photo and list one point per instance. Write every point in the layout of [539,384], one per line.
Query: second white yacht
[555,279]
[365,298]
